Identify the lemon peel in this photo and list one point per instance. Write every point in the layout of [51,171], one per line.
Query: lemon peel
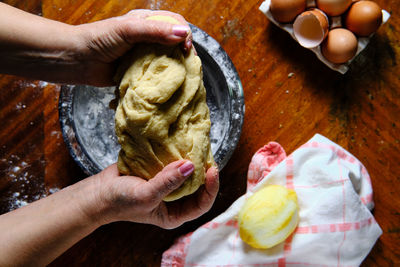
[269,216]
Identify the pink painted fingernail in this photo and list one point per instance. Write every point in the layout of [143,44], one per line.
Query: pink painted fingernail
[186,169]
[180,30]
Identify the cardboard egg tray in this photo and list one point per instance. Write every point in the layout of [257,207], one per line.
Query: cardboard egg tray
[335,22]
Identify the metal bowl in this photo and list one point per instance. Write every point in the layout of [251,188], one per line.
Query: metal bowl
[87,122]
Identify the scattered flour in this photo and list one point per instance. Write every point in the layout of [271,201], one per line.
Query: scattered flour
[23,186]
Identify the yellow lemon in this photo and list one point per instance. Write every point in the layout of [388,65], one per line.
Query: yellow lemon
[269,216]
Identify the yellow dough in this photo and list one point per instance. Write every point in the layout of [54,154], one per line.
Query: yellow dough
[168,19]
[162,115]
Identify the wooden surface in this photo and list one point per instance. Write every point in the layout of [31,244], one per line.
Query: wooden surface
[360,111]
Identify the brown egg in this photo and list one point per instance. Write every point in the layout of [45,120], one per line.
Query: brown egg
[286,11]
[364,18]
[339,46]
[333,7]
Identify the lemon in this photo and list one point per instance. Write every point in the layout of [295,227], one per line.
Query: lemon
[269,216]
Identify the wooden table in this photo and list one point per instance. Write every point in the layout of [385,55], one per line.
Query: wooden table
[290,95]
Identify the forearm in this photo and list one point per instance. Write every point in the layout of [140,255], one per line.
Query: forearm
[36,234]
[36,47]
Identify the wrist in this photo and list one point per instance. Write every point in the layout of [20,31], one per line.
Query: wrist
[89,198]
[36,47]
[55,59]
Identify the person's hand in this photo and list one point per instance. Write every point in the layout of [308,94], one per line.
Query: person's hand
[39,232]
[103,42]
[129,198]
[40,48]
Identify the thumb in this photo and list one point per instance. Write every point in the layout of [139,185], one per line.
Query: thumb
[154,31]
[170,178]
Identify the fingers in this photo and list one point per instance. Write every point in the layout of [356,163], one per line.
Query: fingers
[144,13]
[188,44]
[155,32]
[138,29]
[206,199]
[169,179]
[195,205]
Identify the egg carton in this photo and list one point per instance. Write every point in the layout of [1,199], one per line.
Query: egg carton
[335,22]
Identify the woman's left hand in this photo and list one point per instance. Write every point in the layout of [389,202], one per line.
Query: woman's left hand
[43,49]
[103,42]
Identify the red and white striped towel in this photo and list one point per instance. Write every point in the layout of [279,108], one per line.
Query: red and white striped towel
[336,226]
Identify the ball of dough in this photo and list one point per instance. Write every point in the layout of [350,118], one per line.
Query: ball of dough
[162,115]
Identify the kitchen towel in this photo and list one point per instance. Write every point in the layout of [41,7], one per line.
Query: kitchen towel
[336,227]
